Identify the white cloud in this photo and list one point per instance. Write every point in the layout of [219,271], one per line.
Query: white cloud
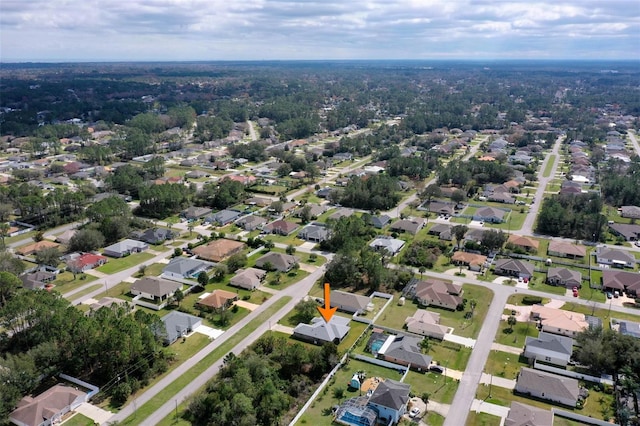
[315,29]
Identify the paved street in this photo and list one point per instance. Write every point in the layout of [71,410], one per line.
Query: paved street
[634,141]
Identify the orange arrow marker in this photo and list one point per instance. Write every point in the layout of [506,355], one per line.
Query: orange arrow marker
[327,312]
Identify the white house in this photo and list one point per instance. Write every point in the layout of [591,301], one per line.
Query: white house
[543,385]
[549,348]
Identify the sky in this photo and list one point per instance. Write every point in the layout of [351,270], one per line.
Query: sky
[186,30]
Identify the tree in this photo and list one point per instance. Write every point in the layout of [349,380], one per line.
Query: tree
[177,252]
[430,192]
[190,227]
[511,321]
[425,345]
[493,240]
[9,284]
[178,296]
[220,271]
[457,196]
[458,232]
[49,256]
[142,270]
[305,311]
[38,236]
[10,263]
[290,250]
[86,240]
[268,244]
[305,214]
[236,261]
[4,233]
[203,279]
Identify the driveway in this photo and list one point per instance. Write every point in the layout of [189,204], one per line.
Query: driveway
[213,333]
[96,414]
[480,406]
[244,304]
[464,341]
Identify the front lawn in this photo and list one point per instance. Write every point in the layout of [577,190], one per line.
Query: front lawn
[540,285]
[449,354]
[117,265]
[516,337]
[504,364]
[482,419]
[439,387]
[65,282]
[79,420]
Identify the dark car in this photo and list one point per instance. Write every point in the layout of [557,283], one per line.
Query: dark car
[436,369]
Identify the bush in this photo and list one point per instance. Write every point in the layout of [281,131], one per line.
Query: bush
[531,300]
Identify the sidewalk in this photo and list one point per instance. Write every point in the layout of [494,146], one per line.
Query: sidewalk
[506,348]
[486,379]
[480,406]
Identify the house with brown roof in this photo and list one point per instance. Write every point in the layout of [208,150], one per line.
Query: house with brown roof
[154,288]
[218,250]
[426,323]
[564,277]
[248,279]
[47,408]
[473,261]
[281,227]
[543,385]
[411,226]
[434,292]
[559,321]
[628,282]
[277,261]
[245,180]
[35,247]
[217,301]
[525,243]
[527,415]
[564,249]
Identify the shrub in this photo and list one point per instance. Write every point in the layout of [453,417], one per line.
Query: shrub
[531,300]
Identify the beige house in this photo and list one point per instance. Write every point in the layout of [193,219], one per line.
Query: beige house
[426,323]
[434,292]
[218,250]
[558,321]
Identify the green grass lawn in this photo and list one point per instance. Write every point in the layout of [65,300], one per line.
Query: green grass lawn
[516,338]
[516,299]
[439,387]
[117,265]
[482,419]
[603,314]
[592,294]
[65,282]
[561,421]
[514,221]
[154,269]
[79,420]
[504,364]
[86,291]
[282,280]
[165,395]
[550,162]
[449,354]
[540,285]
[395,315]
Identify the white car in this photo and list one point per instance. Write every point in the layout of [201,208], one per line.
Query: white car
[414,412]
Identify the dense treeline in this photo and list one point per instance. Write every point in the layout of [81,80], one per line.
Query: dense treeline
[377,192]
[44,335]
[572,216]
[460,173]
[261,385]
[621,183]
[221,195]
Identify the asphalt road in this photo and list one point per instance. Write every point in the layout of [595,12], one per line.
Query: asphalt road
[634,141]
[527,226]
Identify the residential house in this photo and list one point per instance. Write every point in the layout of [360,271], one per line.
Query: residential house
[248,279]
[391,246]
[66,236]
[524,243]
[514,267]
[489,214]
[320,332]
[314,233]
[154,236]
[324,192]
[442,231]
[629,232]
[341,212]
[440,207]
[195,213]
[196,174]
[628,328]
[565,277]
[543,385]
[35,247]
[178,324]
[245,180]
[154,288]
[277,261]
[218,300]
[405,350]
[527,415]
[218,250]
[280,227]
[223,217]
[558,321]
[180,268]
[390,400]
[412,226]
[85,261]
[315,210]
[426,323]
[379,222]
[474,235]
[251,222]
[37,280]
[501,197]
[621,281]
[49,407]
[125,248]
[632,212]
[564,249]
[434,292]
[475,262]
[549,348]
[349,302]
[108,302]
[614,257]
[258,201]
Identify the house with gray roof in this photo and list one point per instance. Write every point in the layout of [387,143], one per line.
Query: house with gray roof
[489,214]
[248,279]
[390,400]
[251,222]
[564,277]
[442,231]
[379,222]
[154,288]
[405,350]
[125,248]
[195,213]
[320,332]
[185,268]
[349,302]
[411,226]
[391,246]
[514,267]
[628,328]
[278,261]
[223,217]
[526,415]
[630,211]
[551,387]
[614,257]
[315,210]
[154,235]
[549,348]
[440,207]
[178,324]
[314,233]
[341,212]
[629,232]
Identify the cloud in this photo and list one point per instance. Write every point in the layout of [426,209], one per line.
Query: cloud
[316,29]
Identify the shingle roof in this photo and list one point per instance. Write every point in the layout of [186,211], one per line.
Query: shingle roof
[407,348]
[551,342]
[155,286]
[336,328]
[33,411]
[551,384]
[526,415]
[391,394]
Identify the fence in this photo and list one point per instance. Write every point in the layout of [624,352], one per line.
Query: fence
[581,418]
[92,389]
[567,373]
[381,363]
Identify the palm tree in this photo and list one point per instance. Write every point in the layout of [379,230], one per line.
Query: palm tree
[511,321]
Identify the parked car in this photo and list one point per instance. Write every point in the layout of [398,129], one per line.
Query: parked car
[575,294]
[436,369]
[415,411]
[616,294]
[609,295]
